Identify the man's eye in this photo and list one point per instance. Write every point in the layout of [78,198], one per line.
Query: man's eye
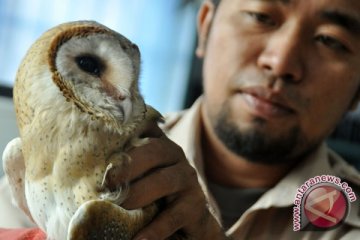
[261,18]
[332,43]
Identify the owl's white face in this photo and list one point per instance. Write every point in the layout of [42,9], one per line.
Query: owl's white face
[103,70]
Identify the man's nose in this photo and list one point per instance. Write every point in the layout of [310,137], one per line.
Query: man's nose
[281,57]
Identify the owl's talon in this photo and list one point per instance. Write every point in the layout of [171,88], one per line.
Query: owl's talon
[108,168]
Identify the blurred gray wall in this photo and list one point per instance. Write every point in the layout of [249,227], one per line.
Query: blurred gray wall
[8,128]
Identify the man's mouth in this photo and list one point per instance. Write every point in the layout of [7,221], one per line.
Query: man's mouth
[265,103]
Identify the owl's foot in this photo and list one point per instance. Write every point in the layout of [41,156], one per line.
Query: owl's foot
[118,164]
[115,172]
[98,220]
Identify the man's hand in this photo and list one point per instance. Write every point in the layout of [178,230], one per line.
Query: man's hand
[159,170]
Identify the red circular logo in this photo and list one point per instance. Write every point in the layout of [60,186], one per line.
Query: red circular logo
[325,206]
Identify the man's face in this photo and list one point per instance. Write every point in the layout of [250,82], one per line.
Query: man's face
[279,75]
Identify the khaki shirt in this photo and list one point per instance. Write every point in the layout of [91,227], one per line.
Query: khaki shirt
[271,216]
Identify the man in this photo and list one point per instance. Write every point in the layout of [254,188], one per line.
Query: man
[278,76]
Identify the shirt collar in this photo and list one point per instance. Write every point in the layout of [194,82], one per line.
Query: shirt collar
[184,128]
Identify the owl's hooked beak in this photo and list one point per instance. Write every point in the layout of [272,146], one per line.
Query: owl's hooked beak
[126,106]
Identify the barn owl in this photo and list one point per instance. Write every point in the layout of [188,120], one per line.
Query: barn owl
[78,110]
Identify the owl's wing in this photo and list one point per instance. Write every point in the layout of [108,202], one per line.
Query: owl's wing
[14,168]
[99,219]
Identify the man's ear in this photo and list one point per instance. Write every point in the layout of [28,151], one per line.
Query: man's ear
[204,20]
[356,100]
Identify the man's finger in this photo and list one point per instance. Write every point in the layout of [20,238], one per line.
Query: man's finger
[166,224]
[147,190]
[144,159]
[152,130]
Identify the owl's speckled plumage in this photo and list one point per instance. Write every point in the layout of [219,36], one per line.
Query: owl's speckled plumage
[78,110]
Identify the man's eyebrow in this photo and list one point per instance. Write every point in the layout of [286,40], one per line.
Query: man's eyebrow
[349,22]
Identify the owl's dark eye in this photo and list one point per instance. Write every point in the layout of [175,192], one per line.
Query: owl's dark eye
[90,64]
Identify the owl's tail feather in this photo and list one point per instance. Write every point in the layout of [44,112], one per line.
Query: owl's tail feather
[99,219]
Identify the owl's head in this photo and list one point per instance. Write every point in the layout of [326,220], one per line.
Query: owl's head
[97,69]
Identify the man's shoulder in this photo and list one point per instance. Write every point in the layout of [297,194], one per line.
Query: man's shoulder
[171,119]
[185,118]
